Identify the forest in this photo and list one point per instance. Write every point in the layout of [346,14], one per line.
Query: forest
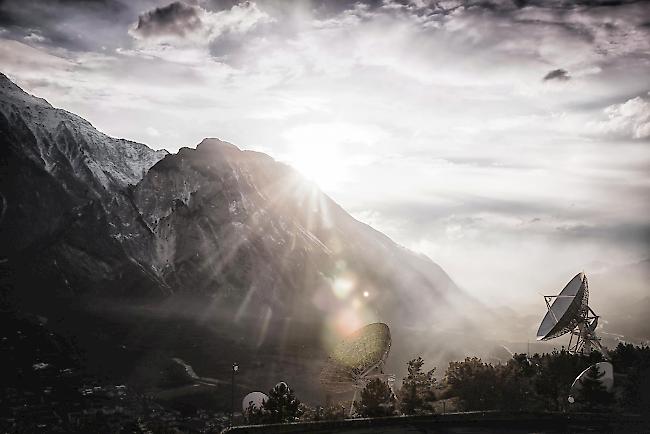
[540,382]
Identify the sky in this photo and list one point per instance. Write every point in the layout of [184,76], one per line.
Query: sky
[507,140]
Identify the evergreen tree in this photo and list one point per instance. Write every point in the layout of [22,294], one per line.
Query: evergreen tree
[635,391]
[474,383]
[376,400]
[634,362]
[593,394]
[417,393]
[525,366]
[282,406]
[543,381]
[557,370]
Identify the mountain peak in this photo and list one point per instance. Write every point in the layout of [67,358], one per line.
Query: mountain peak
[102,162]
[5,79]
[230,234]
[213,143]
[14,93]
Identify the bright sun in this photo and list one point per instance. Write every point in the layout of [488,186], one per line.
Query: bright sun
[323,166]
[323,152]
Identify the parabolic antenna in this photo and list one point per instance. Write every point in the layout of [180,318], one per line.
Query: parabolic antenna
[606,380]
[358,359]
[570,313]
[256,398]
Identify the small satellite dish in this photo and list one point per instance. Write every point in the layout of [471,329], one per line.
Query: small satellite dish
[356,360]
[570,313]
[606,380]
[256,398]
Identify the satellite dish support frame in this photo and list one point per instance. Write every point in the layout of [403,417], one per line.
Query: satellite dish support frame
[365,378]
[584,334]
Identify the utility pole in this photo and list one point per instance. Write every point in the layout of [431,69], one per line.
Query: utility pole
[235,368]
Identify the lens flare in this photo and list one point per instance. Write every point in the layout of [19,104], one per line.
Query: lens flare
[342,287]
[347,321]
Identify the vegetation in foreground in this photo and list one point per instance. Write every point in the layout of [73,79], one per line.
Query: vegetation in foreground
[44,385]
[541,382]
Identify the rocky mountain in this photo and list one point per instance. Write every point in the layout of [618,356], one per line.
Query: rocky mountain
[230,224]
[63,184]
[208,232]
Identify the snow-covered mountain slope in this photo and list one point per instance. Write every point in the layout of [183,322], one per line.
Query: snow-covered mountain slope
[60,138]
[63,187]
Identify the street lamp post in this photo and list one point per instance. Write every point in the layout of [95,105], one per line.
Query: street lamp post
[235,368]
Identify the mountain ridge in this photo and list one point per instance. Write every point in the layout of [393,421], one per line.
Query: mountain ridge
[125,180]
[225,238]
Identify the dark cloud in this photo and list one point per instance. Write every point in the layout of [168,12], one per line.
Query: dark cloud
[93,24]
[229,46]
[628,232]
[75,25]
[606,24]
[176,18]
[501,7]
[557,74]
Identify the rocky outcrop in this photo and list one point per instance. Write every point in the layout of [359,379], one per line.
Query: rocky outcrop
[64,188]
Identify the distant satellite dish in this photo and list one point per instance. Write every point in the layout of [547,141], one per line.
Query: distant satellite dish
[356,360]
[570,313]
[606,380]
[256,398]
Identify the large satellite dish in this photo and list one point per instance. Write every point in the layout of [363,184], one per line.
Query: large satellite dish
[356,360]
[256,398]
[570,313]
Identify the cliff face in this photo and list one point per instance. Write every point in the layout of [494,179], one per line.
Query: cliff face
[240,227]
[63,187]
[108,216]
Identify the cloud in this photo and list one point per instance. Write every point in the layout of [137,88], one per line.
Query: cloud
[182,23]
[66,25]
[34,37]
[153,132]
[612,233]
[176,19]
[630,119]
[557,74]
[433,116]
